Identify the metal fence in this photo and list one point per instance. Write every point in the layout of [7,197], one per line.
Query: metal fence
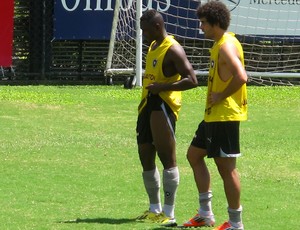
[37,58]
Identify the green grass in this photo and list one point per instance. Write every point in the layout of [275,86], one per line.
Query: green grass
[69,159]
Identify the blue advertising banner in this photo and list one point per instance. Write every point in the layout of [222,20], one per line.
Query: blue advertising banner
[92,19]
[83,19]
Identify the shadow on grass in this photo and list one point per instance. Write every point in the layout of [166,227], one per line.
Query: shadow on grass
[164,228]
[99,221]
[109,221]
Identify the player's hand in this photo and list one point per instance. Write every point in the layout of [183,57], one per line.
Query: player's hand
[155,87]
[214,98]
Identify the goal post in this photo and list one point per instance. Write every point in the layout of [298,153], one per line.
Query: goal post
[137,80]
[125,48]
[269,33]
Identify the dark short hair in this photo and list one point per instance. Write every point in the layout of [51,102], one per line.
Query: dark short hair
[148,15]
[216,13]
[152,16]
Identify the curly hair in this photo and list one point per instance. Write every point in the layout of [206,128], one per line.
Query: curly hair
[216,13]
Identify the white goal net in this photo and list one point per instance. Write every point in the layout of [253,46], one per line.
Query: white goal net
[269,31]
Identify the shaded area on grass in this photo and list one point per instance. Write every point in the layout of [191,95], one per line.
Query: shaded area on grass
[99,221]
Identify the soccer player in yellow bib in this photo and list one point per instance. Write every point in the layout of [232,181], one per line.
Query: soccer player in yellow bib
[167,73]
[217,135]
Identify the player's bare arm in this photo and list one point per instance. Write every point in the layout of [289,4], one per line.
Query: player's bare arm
[229,65]
[175,62]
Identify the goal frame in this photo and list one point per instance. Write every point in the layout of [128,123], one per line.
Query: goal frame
[137,70]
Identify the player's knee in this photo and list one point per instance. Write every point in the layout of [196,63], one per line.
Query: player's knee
[194,157]
[227,171]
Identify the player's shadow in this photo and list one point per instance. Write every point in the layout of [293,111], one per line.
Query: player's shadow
[98,221]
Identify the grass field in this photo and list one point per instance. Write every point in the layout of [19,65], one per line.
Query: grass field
[69,159]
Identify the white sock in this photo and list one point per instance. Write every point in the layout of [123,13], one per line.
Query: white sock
[205,209]
[170,182]
[156,208]
[235,217]
[169,210]
[152,186]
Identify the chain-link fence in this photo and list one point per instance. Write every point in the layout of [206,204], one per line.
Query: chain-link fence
[38,58]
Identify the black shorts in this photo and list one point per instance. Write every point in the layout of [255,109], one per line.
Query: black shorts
[143,128]
[220,139]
